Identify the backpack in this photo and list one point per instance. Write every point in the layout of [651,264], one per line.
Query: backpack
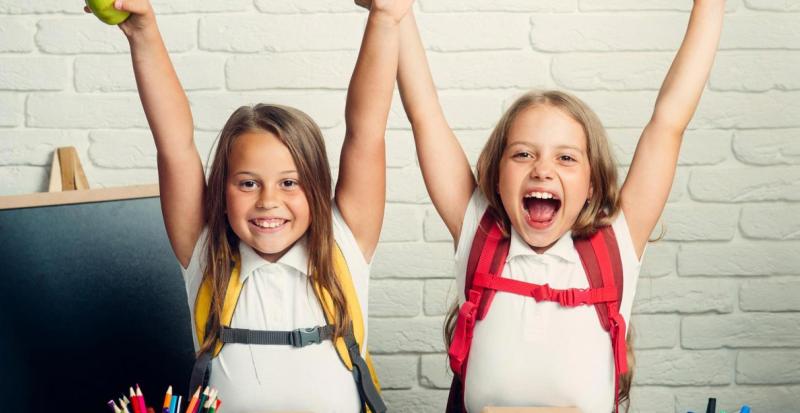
[347,347]
[600,257]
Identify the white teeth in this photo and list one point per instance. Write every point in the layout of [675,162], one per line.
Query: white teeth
[269,224]
[540,195]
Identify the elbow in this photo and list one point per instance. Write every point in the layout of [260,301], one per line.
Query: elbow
[668,125]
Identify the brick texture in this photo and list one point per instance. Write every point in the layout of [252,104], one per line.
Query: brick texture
[717,307]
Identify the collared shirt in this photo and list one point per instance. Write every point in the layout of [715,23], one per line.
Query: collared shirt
[278,296]
[528,353]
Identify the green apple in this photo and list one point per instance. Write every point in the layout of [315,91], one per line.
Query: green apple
[105,11]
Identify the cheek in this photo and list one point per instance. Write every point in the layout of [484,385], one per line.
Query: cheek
[301,209]
[505,178]
[236,205]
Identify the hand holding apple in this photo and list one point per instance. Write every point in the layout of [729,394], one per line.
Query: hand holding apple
[141,17]
[105,11]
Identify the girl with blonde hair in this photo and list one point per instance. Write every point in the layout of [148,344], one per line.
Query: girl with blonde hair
[298,253]
[526,323]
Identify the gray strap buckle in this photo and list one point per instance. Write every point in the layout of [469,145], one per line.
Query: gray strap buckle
[305,336]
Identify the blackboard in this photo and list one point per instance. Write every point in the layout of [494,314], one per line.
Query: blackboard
[91,301]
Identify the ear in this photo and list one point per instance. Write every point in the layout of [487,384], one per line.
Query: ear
[591,192]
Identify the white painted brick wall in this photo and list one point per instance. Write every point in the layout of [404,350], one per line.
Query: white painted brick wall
[718,305]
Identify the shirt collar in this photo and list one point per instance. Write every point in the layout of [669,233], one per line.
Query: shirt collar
[563,249]
[296,258]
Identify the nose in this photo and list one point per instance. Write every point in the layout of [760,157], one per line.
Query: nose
[542,170]
[267,198]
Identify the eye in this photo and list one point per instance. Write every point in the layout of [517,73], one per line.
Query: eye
[248,185]
[289,184]
[566,158]
[522,155]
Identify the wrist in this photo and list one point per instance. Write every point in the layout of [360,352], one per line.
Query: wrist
[383,18]
[144,35]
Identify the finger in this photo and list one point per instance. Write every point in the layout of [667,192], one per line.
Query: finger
[132,6]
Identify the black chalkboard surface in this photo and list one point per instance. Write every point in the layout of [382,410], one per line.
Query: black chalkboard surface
[91,301]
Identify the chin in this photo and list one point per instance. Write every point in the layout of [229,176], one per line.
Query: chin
[539,240]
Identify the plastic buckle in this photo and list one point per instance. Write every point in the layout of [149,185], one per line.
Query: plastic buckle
[305,336]
[542,292]
[567,298]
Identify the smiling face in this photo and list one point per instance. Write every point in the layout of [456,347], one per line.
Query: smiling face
[544,176]
[267,207]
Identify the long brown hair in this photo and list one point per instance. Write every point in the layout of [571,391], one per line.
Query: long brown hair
[304,140]
[603,205]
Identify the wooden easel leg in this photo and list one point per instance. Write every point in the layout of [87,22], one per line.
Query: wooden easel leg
[67,159]
[67,173]
[55,174]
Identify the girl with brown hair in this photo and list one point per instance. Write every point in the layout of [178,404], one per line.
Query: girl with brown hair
[268,218]
[546,182]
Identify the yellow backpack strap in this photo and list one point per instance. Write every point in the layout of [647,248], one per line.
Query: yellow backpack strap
[202,305]
[350,347]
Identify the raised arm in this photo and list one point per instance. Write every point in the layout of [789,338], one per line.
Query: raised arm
[180,171]
[444,165]
[361,188]
[652,170]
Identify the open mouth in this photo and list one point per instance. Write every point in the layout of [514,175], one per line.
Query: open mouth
[268,224]
[540,208]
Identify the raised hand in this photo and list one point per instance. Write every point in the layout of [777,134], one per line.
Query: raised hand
[142,18]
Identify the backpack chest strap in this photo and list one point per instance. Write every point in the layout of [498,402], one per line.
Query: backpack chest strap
[571,297]
[296,338]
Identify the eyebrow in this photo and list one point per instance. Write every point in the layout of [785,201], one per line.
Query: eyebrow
[288,171]
[575,148]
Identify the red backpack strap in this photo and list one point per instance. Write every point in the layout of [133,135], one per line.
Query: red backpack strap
[487,256]
[601,260]
[603,265]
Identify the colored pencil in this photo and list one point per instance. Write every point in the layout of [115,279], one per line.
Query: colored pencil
[123,401]
[140,395]
[167,399]
[219,403]
[212,400]
[207,404]
[135,402]
[178,404]
[193,401]
[173,401]
[214,404]
[202,400]
[123,405]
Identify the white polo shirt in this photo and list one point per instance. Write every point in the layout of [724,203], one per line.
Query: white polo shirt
[278,296]
[526,353]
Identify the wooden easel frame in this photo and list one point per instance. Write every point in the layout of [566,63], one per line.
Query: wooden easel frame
[68,185]
[66,172]
[42,199]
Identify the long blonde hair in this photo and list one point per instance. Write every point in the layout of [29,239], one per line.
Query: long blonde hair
[304,140]
[603,205]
